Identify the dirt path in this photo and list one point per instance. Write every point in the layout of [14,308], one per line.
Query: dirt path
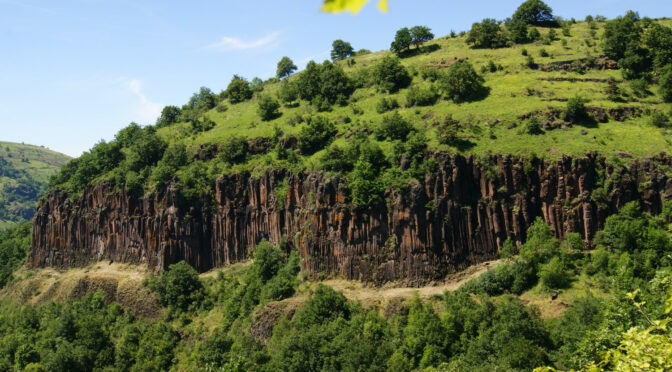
[355,290]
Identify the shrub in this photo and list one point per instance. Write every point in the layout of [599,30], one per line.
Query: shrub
[288,93]
[421,96]
[665,83]
[324,85]
[178,287]
[487,34]
[659,119]
[612,90]
[530,63]
[394,127]
[234,149]
[524,52]
[447,130]
[533,34]
[461,83]
[553,275]
[532,126]
[323,305]
[640,87]
[268,108]
[239,90]
[543,53]
[385,105]
[169,116]
[317,134]
[14,246]
[575,111]
[390,75]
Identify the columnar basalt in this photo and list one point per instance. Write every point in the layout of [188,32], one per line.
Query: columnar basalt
[456,217]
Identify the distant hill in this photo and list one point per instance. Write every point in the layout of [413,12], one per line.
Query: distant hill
[24,172]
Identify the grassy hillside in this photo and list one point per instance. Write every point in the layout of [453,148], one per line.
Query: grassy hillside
[523,110]
[24,173]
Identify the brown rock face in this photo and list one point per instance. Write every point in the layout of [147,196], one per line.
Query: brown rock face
[457,217]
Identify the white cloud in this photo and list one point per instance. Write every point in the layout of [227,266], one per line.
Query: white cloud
[234,43]
[319,58]
[147,111]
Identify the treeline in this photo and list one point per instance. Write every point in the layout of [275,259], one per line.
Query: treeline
[481,326]
[19,193]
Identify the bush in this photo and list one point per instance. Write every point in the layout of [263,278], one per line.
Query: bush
[532,126]
[462,84]
[268,108]
[384,105]
[554,275]
[390,75]
[169,116]
[665,84]
[659,119]
[530,63]
[543,53]
[640,87]
[178,287]
[575,111]
[421,96]
[324,85]
[487,34]
[288,93]
[239,90]
[14,246]
[394,127]
[234,149]
[447,130]
[317,134]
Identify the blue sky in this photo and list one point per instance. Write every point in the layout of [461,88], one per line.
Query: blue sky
[73,72]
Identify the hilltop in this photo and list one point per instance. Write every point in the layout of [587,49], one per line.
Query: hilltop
[24,173]
[331,115]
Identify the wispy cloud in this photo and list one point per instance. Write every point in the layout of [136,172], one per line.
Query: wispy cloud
[234,43]
[319,58]
[147,110]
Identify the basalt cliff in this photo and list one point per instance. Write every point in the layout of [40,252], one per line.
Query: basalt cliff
[458,216]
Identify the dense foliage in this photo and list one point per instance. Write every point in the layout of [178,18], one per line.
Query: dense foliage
[14,247]
[481,326]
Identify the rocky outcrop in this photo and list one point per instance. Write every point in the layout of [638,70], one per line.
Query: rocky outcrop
[456,217]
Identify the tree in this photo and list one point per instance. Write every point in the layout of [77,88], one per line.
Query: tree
[517,31]
[420,35]
[239,90]
[487,34]
[390,74]
[447,130]
[665,83]
[462,83]
[285,67]
[316,135]
[268,108]
[341,50]
[394,127]
[619,34]
[402,41]
[178,287]
[324,84]
[169,116]
[288,92]
[534,12]
[576,110]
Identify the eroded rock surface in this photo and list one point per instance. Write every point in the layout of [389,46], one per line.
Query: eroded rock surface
[457,217]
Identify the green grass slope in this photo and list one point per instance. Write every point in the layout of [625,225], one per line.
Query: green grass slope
[24,173]
[208,133]
[515,90]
